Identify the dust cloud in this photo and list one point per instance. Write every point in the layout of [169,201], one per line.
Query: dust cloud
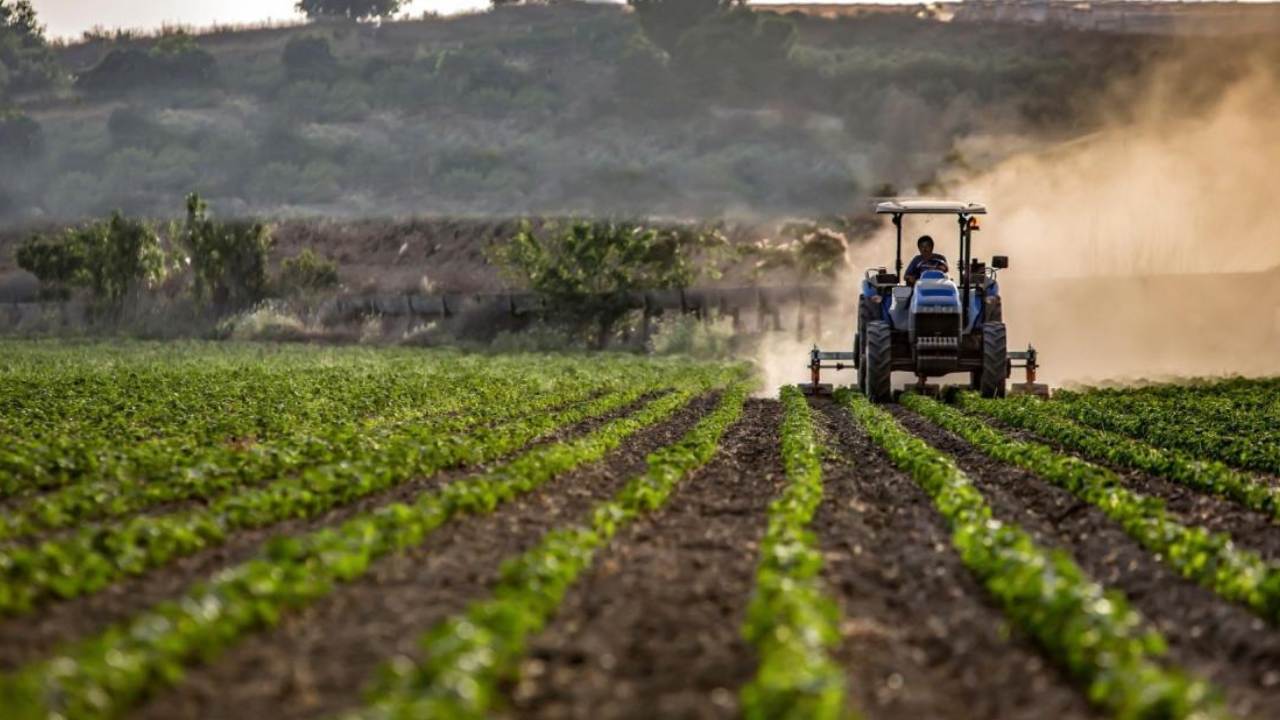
[1147,250]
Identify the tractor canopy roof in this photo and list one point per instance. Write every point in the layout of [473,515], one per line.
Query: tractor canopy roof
[929,207]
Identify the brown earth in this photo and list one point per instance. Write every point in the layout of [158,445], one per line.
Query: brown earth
[654,629]
[317,661]
[26,639]
[920,637]
[1217,640]
[1250,529]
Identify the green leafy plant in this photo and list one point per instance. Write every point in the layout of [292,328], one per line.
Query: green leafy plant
[102,676]
[1092,633]
[1235,421]
[94,557]
[228,260]
[307,272]
[467,656]
[1210,559]
[588,272]
[1208,476]
[791,621]
[112,258]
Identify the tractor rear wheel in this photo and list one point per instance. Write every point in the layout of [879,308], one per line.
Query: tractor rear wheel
[995,360]
[877,362]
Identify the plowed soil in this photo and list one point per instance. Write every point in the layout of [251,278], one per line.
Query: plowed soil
[317,661]
[25,639]
[1248,528]
[1215,639]
[654,629]
[920,638]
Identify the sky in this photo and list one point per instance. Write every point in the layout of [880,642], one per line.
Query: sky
[70,18]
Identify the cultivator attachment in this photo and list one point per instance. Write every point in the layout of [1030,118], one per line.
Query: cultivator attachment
[1029,364]
[820,360]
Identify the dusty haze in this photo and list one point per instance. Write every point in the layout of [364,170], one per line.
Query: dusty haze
[1148,250]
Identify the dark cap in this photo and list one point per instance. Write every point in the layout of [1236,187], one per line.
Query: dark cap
[924,239]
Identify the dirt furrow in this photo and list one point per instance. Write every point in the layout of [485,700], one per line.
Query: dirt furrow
[316,663]
[653,629]
[26,639]
[920,639]
[1208,636]
[1250,529]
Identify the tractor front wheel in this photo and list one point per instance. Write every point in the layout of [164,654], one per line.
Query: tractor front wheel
[877,362]
[995,360]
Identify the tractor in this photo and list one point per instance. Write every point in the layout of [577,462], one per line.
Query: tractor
[935,326]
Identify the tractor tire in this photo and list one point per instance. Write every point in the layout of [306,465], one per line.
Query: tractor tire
[995,360]
[877,362]
[993,310]
[860,342]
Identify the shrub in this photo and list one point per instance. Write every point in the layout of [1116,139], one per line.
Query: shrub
[309,58]
[307,272]
[228,260]
[131,126]
[175,62]
[21,139]
[665,21]
[74,195]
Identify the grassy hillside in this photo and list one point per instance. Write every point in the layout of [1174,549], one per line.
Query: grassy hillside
[538,110]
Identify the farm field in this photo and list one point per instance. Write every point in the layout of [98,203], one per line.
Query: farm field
[216,530]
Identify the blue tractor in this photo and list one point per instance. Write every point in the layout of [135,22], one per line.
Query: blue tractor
[931,325]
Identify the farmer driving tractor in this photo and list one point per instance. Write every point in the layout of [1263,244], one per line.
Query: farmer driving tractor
[926,260]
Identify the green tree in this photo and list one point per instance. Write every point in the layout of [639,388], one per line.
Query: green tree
[58,261]
[588,272]
[228,260]
[122,255]
[112,258]
[26,61]
[349,9]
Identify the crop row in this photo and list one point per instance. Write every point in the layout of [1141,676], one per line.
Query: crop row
[1239,426]
[96,556]
[790,621]
[1205,475]
[1210,559]
[66,456]
[354,401]
[1093,633]
[201,392]
[168,476]
[101,676]
[470,654]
